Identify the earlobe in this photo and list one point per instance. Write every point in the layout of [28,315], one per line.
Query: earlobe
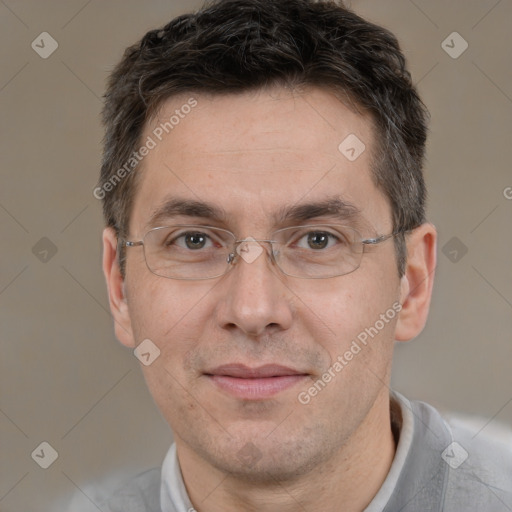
[417,281]
[116,289]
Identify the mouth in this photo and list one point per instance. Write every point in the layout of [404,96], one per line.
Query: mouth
[258,383]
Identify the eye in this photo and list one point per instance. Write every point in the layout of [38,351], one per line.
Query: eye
[317,240]
[193,240]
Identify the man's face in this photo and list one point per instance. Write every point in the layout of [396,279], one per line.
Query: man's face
[254,156]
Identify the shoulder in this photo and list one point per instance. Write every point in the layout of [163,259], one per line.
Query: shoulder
[139,494]
[480,466]
[452,462]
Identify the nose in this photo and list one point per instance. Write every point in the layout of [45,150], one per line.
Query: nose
[253,297]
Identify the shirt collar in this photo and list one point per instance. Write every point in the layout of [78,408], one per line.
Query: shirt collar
[417,478]
[173,494]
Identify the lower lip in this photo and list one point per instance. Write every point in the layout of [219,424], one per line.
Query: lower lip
[255,389]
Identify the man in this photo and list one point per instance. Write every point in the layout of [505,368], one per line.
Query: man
[266,245]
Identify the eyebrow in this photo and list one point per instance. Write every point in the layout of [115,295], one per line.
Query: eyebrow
[187,208]
[333,207]
[330,207]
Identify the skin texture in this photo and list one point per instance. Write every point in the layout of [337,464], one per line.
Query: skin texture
[252,154]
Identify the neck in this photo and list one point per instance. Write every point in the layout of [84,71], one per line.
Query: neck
[352,476]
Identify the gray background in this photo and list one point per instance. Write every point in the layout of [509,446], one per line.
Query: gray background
[65,379]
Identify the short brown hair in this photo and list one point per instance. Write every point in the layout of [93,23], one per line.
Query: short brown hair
[232,46]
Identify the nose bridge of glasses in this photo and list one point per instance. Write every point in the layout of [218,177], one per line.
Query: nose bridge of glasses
[250,248]
[250,239]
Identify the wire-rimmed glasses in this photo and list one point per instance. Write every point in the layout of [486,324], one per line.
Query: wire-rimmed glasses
[191,252]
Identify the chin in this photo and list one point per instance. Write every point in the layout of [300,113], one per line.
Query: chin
[258,459]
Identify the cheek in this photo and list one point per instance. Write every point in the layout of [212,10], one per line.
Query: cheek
[360,339]
[173,315]
[353,319]
[169,312]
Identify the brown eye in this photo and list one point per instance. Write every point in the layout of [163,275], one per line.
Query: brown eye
[318,240]
[195,240]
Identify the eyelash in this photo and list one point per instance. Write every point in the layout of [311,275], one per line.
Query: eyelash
[294,238]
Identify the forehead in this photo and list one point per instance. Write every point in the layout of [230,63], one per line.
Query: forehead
[257,152]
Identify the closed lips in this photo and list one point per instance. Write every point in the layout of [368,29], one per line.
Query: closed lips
[244,372]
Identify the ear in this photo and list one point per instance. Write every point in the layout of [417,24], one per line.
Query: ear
[115,286]
[417,281]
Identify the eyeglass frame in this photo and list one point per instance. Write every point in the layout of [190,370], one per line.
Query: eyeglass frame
[231,257]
